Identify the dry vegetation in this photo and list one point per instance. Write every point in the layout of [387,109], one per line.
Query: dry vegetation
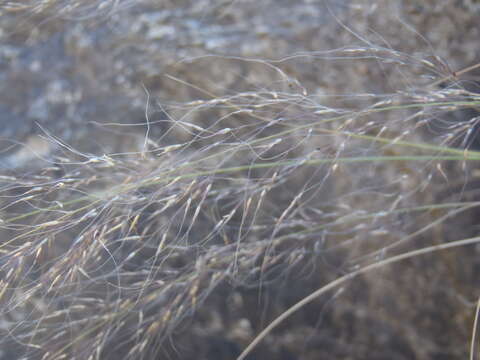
[177,175]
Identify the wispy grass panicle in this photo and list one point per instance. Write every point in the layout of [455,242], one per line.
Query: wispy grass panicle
[246,184]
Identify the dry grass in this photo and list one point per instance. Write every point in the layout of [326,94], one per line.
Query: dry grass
[189,239]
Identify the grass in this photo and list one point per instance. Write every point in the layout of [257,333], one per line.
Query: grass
[241,208]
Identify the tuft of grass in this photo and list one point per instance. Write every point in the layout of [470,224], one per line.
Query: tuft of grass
[238,207]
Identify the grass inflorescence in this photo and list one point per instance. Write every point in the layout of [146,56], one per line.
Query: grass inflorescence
[232,205]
